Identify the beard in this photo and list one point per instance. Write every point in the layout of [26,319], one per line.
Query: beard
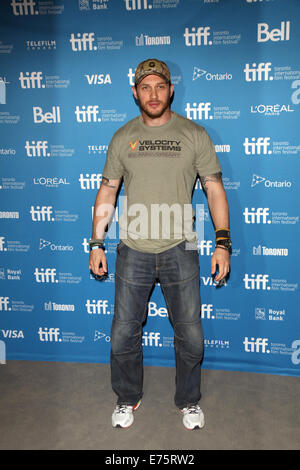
[163,106]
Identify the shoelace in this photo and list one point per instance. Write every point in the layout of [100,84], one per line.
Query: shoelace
[122,408]
[192,409]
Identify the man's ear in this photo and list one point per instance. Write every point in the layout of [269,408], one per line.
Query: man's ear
[134,92]
[171,90]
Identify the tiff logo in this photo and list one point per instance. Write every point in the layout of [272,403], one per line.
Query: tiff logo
[87,113]
[2,244]
[258,146]
[24,7]
[49,334]
[206,311]
[137,5]
[199,37]
[198,111]
[31,80]
[151,339]
[41,213]
[256,345]
[37,148]
[45,275]
[256,282]
[256,216]
[4,304]
[258,72]
[97,307]
[92,181]
[83,42]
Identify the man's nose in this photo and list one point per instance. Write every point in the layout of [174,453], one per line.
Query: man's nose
[153,92]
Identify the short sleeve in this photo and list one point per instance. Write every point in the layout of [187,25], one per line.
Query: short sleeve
[206,160]
[113,168]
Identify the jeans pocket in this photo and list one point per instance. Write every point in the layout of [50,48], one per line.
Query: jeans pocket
[120,246]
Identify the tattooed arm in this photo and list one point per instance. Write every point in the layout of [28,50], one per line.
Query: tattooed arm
[218,206]
[103,212]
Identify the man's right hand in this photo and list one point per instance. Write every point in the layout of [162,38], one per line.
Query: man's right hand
[97,258]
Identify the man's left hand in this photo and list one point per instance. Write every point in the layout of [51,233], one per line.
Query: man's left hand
[220,258]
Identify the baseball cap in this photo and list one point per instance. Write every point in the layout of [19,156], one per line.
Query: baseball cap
[152,67]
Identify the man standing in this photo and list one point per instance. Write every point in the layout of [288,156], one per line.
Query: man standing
[159,154]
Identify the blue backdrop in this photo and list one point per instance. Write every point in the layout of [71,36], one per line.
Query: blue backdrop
[66,71]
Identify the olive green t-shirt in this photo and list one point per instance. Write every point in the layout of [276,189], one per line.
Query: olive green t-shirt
[159,165]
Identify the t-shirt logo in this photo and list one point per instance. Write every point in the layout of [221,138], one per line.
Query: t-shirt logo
[133,146]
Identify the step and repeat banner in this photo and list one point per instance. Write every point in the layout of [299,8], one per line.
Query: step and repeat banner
[67,68]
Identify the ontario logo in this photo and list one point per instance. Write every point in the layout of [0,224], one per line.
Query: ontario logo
[133,145]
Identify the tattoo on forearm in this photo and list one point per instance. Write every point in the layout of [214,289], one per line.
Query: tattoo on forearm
[106,182]
[216,177]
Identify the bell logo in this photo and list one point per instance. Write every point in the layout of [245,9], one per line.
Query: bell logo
[282,34]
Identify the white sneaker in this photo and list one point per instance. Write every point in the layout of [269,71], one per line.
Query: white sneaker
[193,417]
[122,416]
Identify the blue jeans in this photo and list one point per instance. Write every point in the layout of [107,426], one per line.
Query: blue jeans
[177,270]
